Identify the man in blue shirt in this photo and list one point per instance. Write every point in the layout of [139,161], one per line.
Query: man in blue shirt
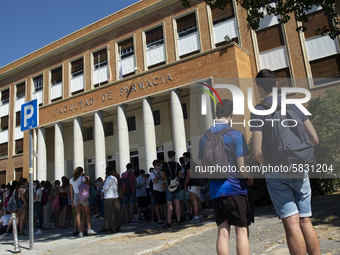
[230,196]
[291,195]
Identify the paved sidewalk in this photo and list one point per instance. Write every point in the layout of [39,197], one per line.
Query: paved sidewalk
[266,236]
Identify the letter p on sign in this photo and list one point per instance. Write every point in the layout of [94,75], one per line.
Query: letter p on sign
[29,115]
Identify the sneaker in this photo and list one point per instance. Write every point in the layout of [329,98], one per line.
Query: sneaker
[201,218]
[160,223]
[167,226]
[91,232]
[81,234]
[39,232]
[194,220]
[5,234]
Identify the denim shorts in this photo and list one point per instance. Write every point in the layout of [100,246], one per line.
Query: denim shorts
[290,196]
[131,198]
[171,196]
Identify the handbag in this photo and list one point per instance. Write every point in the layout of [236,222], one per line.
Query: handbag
[84,191]
[56,204]
[174,182]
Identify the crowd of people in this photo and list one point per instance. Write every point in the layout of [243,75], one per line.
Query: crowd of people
[131,198]
[169,194]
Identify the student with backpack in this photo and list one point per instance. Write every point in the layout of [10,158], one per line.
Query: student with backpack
[129,189]
[172,171]
[230,195]
[291,195]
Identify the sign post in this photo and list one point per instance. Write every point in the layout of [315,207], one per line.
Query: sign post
[30,120]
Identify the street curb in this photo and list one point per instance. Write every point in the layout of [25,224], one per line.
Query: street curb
[169,244]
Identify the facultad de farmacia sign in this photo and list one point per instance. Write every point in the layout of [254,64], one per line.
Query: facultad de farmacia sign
[74,106]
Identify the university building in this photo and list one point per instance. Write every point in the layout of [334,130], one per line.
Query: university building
[118,90]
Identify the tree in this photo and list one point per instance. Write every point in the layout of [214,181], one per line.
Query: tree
[284,9]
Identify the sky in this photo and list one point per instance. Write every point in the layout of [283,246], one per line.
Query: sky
[28,25]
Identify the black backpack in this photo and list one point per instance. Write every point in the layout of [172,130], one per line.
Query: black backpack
[287,145]
[214,152]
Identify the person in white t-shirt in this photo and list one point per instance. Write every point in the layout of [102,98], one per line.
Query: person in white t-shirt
[112,219]
[78,178]
[4,223]
[158,191]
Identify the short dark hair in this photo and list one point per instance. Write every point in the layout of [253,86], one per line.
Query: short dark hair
[155,162]
[128,166]
[266,79]
[141,171]
[171,154]
[3,186]
[224,109]
[181,160]
[186,154]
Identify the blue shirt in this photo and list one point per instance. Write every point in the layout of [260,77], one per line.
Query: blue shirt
[236,147]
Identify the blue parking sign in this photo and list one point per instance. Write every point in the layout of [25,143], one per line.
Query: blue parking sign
[29,115]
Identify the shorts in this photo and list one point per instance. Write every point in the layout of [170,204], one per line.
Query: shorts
[159,197]
[171,196]
[143,201]
[130,198]
[238,210]
[77,202]
[290,196]
[196,190]
[184,195]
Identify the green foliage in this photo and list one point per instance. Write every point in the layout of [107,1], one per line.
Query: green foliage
[326,121]
[283,9]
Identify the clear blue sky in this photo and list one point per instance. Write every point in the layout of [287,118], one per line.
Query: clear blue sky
[28,25]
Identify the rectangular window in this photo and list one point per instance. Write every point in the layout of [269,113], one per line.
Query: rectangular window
[21,90]
[108,128]
[77,67]
[57,76]
[224,24]
[4,123]
[4,150]
[188,38]
[19,146]
[155,52]
[131,121]
[322,51]
[127,58]
[283,77]
[100,70]
[38,83]
[18,173]
[5,96]
[18,118]
[269,38]
[157,117]
[88,134]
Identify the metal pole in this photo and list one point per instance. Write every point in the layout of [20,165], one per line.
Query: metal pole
[31,209]
[15,233]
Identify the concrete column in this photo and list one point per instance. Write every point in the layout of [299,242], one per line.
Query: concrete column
[149,133]
[78,143]
[42,155]
[178,130]
[59,157]
[99,144]
[123,139]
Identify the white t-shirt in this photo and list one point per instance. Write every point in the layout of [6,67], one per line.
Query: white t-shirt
[141,192]
[110,187]
[39,192]
[77,183]
[5,219]
[159,185]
